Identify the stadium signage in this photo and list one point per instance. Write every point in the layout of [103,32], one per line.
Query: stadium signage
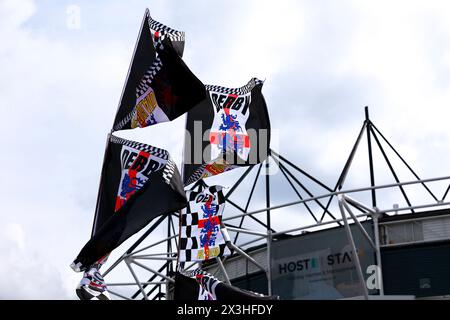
[312,263]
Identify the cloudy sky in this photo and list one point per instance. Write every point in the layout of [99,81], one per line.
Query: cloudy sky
[63,65]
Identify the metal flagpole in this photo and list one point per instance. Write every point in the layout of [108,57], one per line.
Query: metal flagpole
[94,224]
[102,173]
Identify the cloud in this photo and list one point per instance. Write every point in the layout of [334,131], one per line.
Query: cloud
[52,138]
[26,275]
[12,17]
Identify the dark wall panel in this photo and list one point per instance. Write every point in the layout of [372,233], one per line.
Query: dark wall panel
[420,270]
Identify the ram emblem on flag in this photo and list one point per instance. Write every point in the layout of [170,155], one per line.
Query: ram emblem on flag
[237,123]
[137,165]
[201,236]
[228,133]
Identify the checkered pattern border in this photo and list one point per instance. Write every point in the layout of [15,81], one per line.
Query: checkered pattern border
[209,282]
[143,86]
[196,175]
[124,121]
[172,34]
[148,77]
[194,273]
[189,233]
[86,293]
[239,91]
[200,171]
[145,83]
[205,281]
[157,152]
[169,170]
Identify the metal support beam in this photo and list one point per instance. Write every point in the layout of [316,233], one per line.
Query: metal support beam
[155,258]
[153,245]
[229,193]
[248,201]
[133,283]
[323,185]
[251,217]
[391,168]
[153,277]
[353,246]
[141,289]
[320,224]
[358,204]
[307,191]
[446,192]
[298,194]
[403,160]
[269,262]
[240,230]
[343,175]
[376,228]
[224,272]
[231,246]
[349,162]
[253,187]
[369,146]
[152,271]
[145,235]
[169,245]
[268,194]
[358,224]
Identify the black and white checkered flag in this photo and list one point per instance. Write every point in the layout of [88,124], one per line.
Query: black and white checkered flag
[202,235]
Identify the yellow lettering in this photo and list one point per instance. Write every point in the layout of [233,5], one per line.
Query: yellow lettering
[144,109]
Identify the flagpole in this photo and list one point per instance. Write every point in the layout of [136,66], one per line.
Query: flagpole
[146,14]
[100,185]
[94,224]
[180,265]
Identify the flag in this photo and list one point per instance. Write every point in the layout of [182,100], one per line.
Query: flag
[228,129]
[159,87]
[139,182]
[199,285]
[201,233]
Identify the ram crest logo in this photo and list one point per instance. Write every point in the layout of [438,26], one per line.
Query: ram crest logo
[130,185]
[229,122]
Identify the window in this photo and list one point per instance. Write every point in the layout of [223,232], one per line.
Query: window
[398,233]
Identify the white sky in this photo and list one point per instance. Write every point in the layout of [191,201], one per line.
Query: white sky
[323,61]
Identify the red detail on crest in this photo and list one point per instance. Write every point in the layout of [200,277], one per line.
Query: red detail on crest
[120,201]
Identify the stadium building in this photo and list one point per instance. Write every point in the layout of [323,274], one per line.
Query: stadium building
[319,265]
[348,249]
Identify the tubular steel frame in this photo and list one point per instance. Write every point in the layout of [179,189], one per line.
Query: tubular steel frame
[157,286]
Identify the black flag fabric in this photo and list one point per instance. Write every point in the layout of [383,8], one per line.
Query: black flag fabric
[228,129]
[201,230]
[200,285]
[160,87]
[139,182]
